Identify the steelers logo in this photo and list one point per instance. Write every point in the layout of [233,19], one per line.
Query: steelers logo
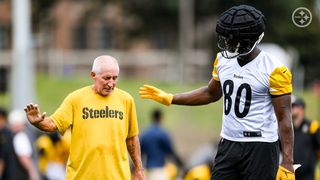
[301,17]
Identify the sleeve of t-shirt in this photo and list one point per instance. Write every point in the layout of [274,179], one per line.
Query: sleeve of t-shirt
[63,117]
[280,81]
[22,145]
[214,71]
[133,129]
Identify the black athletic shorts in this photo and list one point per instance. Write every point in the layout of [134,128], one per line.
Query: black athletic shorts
[246,161]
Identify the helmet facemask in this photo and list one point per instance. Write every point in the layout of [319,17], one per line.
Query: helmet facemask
[232,48]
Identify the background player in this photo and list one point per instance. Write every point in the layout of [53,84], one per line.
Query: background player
[256,90]
[157,147]
[306,140]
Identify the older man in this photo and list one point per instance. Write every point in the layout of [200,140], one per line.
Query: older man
[103,124]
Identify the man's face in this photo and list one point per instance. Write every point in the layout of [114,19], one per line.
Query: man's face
[227,44]
[229,48]
[297,113]
[106,80]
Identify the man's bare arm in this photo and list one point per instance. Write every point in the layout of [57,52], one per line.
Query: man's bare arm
[201,96]
[38,119]
[133,146]
[282,108]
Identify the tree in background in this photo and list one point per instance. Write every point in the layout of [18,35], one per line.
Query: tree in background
[157,23]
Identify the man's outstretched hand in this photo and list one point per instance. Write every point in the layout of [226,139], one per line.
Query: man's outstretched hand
[33,113]
[151,92]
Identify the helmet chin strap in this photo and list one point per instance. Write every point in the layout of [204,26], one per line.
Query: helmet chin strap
[229,55]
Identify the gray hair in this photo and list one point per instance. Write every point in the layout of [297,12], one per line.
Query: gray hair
[100,61]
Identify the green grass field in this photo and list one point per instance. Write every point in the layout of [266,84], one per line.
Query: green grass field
[52,90]
[189,126]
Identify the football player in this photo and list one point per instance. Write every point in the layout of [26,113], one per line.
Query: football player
[255,88]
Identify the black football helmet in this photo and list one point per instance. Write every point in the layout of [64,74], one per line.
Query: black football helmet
[239,30]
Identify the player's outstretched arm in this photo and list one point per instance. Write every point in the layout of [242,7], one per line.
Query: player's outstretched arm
[201,96]
[38,119]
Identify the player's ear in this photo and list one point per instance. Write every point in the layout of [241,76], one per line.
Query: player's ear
[93,74]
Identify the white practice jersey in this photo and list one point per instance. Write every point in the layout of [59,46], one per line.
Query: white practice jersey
[247,90]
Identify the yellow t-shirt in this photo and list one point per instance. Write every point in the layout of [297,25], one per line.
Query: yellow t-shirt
[99,129]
